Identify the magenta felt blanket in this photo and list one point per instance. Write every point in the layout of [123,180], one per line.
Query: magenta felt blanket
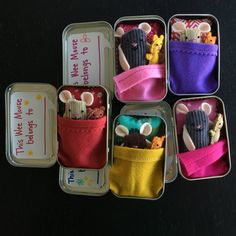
[205,162]
[142,83]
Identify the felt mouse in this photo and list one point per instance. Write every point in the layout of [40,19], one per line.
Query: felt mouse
[196,127]
[76,109]
[217,126]
[191,34]
[134,138]
[133,46]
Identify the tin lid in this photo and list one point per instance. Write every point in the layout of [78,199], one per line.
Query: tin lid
[31,128]
[88,54]
[163,110]
[84,181]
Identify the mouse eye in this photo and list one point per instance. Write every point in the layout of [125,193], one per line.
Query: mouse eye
[69,110]
[198,36]
[186,37]
[82,111]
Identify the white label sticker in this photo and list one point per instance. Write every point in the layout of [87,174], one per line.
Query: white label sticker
[86,58]
[84,178]
[29,128]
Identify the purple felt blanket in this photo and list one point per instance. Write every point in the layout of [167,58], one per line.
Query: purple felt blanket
[193,68]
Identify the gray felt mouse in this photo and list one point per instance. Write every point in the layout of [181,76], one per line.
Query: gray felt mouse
[196,127]
[133,46]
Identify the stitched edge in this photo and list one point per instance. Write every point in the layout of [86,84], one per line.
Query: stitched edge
[192,52]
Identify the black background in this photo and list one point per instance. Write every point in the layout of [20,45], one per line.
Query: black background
[31,201]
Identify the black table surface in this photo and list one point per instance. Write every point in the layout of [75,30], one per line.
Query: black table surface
[31,201]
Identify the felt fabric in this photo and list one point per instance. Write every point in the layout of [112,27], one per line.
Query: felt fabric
[193,67]
[143,83]
[137,172]
[197,125]
[205,162]
[82,143]
[134,46]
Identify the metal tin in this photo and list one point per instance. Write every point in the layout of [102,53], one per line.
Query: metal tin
[88,58]
[163,110]
[150,111]
[108,111]
[222,106]
[140,19]
[194,16]
[88,54]
[31,124]
[84,181]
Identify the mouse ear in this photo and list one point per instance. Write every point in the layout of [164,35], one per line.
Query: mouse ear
[204,27]
[182,108]
[145,129]
[87,97]
[119,32]
[65,96]
[179,27]
[206,107]
[145,27]
[122,59]
[121,130]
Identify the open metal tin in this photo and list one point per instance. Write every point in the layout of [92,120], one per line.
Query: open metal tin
[133,21]
[218,107]
[163,110]
[31,124]
[215,79]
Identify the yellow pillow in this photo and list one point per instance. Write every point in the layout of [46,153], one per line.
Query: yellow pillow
[137,172]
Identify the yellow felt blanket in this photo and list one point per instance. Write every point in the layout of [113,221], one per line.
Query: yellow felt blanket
[137,172]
